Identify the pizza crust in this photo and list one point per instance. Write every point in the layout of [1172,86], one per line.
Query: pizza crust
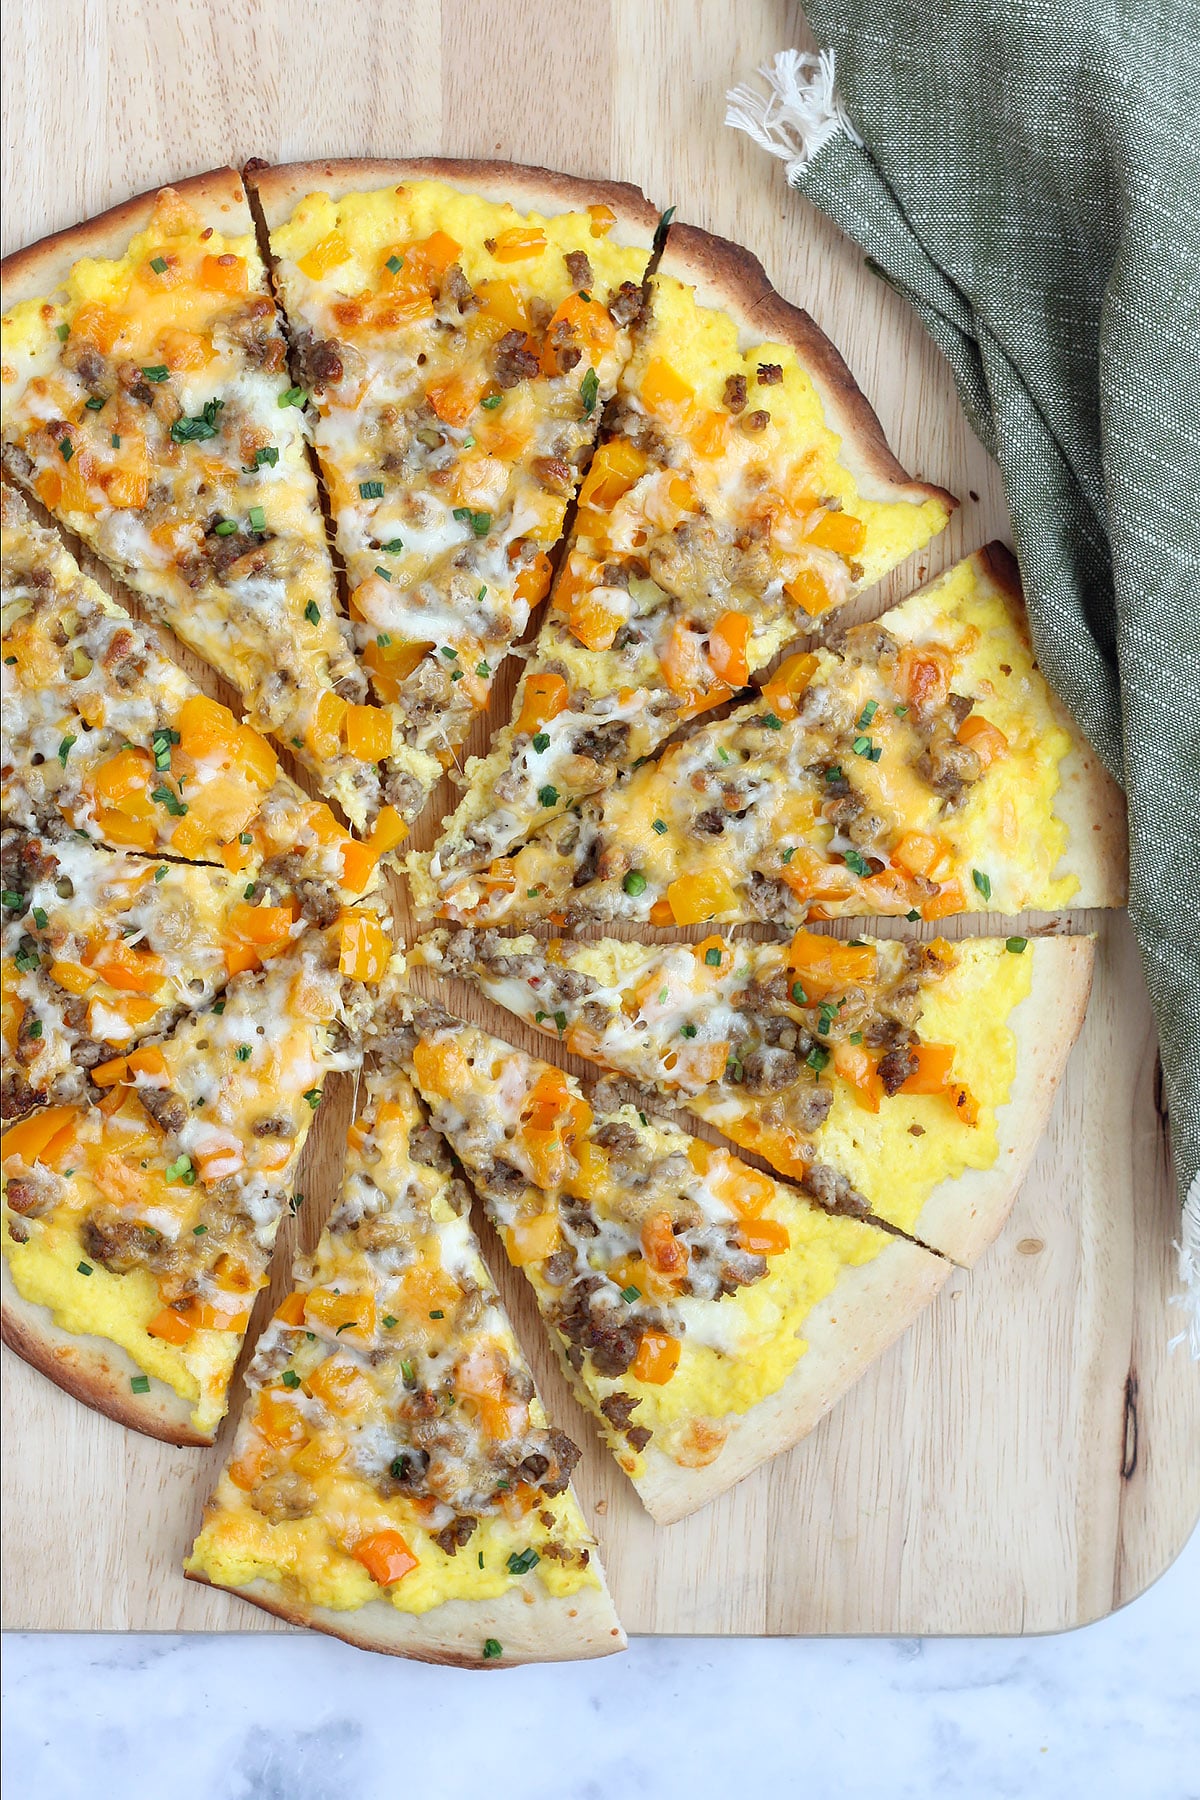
[535,189]
[845,1333]
[964,1215]
[95,1371]
[529,1624]
[38,270]
[728,278]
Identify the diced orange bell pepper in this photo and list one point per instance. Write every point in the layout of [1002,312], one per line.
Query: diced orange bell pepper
[660,912]
[324,729]
[923,676]
[657,1358]
[72,976]
[662,1249]
[807,588]
[173,1327]
[319,1454]
[858,1067]
[589,620]
[368,732]
[684,665]
[603,219]
[543,697]
[441,1067]
[224,274]
[388,831]
[31,1136]
[499,299]
[132,1009]
[337,1384]
[966,1106]
[663,391]
[247,1469]
[454,396]
[122,779]
[840,532]
[326,254]
[728,642]
[135,971]
[789,682]
[278,1419]
[365,948]
[935,1063]
[695,898]
[589,324]
[107,1074]
[693,1066]
[948,899]
[922,854]
[710,434]
[824,966]
[985,739]
[533,1240]
[291,1309]
[351,1313]
[385,1556]
[614,469]
[96,324]
[518,243]
[764,1237]
[533,583]
[127,489]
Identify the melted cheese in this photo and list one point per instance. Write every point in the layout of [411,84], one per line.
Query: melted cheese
[337,1457]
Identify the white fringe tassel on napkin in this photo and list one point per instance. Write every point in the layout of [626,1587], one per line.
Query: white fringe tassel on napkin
[799,113]
[1189,1271]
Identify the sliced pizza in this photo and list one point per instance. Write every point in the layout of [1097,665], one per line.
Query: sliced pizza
[707,1315]
[394,1480]
[103,950]
[139,1219]
[461,326]
[146,402]
[920,766]
[105,735]
[744,490]
[921,1075]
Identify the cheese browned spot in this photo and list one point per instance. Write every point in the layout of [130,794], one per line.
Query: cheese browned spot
[393,1447]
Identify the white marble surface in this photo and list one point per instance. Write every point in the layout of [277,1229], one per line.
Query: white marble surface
[1112,1710]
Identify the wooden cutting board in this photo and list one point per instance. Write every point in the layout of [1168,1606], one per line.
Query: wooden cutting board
[1028,1457]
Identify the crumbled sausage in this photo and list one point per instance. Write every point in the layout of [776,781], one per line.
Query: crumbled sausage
[168,1109]
[579,268]
[514,362]
[627,304]
[769,374]
[735,393]
[896,1067]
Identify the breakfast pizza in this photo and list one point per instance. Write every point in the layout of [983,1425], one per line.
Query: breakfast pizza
[146,402]
[743,491]
[707,1315]
[918,766]
[460,326]
[104,949]
[394,1480]
[921,1074]
[139,1219]
[105,735]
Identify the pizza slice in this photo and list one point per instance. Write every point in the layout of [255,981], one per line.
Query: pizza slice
[105,735]
[744,490]
[920,766]
[707,1315]
[921,1074]
[146,402]
[139,1219]
[394,1480]
[461,326]
[103,950]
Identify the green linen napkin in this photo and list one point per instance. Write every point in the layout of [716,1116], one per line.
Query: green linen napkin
[1028,176]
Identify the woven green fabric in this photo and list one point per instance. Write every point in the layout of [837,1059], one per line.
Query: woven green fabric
[1029,178]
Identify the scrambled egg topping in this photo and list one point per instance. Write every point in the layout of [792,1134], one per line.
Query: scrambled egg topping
[913,771]
[677,1277]
[150,410]
[814,1052]
[715,523]
[393,1447]
[148,1218]
[461,354]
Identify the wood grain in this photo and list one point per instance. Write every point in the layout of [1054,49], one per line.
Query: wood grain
[1028,1457]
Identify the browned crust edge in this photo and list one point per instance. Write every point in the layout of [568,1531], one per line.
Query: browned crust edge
[95,1371]
[728,277]
[382,1628]
[279,188]
[41,267]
